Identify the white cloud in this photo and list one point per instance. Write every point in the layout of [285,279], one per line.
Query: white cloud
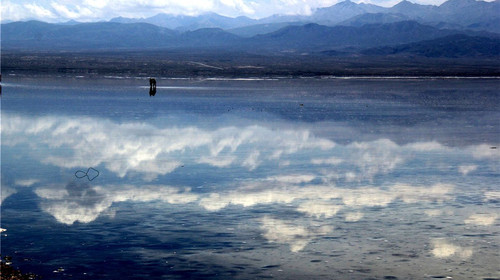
[238,5]
[77,202]
[297,236]
[13,11]
[353,216]
[427,146]
[98,4]
[292,178]
[151,151]
[367,197]
[438,212]
[26,182]
[377,157]
[350,176]
[135,148]
[316,197]
[37,11]
[444,249]
[319,209]
[327,161]
[6,191]
[382,3]
[485,151]
[259,193]
[482,219]
[492,195]
[64,11]
[93,10]
[281,232]
[466,169]
[252,161]
[411,194]
[218,161]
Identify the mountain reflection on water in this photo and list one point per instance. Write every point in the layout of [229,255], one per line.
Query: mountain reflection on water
[320,179]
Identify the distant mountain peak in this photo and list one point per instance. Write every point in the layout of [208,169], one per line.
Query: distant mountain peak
[459,3]
[405,3]
[346,3]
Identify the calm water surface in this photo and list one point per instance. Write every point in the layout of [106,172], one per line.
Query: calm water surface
[249,179]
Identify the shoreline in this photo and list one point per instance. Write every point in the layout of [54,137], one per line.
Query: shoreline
[244,66]
[24,74]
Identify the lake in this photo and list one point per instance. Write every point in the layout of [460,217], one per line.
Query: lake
[331,178]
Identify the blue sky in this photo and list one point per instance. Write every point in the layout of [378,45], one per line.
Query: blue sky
[92,10]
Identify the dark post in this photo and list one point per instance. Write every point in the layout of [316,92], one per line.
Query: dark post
[152,87]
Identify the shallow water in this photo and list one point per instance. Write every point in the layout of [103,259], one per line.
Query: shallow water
[239,179]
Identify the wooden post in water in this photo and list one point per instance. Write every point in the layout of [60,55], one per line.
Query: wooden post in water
[152,87]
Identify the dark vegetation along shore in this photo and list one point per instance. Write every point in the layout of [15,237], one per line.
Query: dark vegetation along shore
[220,63]
[8,272]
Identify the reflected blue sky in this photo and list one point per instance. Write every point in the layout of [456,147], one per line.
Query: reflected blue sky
[245,179]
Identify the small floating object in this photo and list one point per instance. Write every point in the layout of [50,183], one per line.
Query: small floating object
[2,230]
[493,148]
[59,270]
[91,174]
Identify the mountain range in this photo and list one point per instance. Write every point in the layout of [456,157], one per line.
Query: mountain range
[346,28]
[464,14]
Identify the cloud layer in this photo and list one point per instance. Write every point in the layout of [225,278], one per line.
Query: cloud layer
[316,177]
[79,202]
[144,149]
[442,248]
[93,10]
[136,148]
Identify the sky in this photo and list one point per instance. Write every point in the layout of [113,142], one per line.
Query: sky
[95,10]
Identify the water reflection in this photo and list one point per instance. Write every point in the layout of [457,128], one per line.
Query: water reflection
[291,233]
[6,191]
[131,148]
[444,249]
[140,148]
[253,193]
[482,219]
[79,202]
[336,179]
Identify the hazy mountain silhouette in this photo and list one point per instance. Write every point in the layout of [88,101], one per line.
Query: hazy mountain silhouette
[415,11]
[346,28]
[373,18]
[314,37]
[342,11]
[261,29]
[453,46]
[190,23]
[471,14]
[34,35]
[104,35]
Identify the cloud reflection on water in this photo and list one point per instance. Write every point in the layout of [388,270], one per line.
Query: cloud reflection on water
[6,191]
[142,148]
[315,175]
[26,182]
[442,248]
[482,219]
[492,196]
[80,202]
[295,235]
[326,199]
